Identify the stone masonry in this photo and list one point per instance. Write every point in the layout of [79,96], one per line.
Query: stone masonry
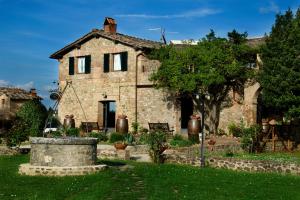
[131,90]
[62,157]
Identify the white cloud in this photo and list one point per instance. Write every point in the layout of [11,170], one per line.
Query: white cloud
[201,12]
[4,83]
[271,8]
[154,29]
[26,86]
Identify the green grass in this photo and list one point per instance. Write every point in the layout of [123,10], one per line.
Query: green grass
[282,157]
[149,181]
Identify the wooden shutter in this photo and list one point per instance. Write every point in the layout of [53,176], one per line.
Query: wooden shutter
[88,64]
[124,60]
[71,65]
[106,63]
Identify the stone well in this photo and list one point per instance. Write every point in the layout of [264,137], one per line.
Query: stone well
[62,157]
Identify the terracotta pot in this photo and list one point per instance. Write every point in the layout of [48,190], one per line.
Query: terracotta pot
[69,121]
[194,126]
[122,125]
[120,145]
[265,127]
[212,142]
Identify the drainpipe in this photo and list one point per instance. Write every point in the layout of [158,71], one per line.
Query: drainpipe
[136,83]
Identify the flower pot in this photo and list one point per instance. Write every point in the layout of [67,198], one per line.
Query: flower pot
[120,145]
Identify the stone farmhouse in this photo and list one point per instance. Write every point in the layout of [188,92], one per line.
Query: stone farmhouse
[110,72]
[11,99]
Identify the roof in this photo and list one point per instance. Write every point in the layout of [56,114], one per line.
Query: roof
[134,42]
[16,93]
[255,42]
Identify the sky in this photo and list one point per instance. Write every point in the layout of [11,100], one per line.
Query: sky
[31,30]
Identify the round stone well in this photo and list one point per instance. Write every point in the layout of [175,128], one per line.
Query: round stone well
[68,156]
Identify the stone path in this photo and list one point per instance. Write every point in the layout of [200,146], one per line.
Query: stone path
[128,190]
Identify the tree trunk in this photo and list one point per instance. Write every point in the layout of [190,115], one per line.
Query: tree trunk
[213,116]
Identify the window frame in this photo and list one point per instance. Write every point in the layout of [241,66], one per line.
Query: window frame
[77,64]
[113,62]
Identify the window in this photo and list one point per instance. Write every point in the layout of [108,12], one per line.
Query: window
[115,62]
[3,102]
[81,65]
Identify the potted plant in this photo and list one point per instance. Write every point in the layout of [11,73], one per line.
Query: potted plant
[118,140]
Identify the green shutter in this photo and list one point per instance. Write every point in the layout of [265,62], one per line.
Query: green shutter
[71,65]
[124,58]
[106,63]
[88,64]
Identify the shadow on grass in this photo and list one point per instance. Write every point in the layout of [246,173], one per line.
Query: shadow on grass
[111,163]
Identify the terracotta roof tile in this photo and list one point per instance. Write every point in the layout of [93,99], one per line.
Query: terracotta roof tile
[134,42]
[15,93]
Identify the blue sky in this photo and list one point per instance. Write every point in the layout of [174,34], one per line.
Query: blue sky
[33,29]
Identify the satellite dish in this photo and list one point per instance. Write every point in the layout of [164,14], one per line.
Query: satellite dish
[55,95]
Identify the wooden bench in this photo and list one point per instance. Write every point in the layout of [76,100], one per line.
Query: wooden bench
[91,126]
[164,127]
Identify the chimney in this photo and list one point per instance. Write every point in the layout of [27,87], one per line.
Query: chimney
[32,92]
[109,25]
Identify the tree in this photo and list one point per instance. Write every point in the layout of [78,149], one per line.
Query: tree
[280,74]
[211,68]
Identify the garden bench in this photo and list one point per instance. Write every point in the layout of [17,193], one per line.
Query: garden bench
[91,126]
[164,127]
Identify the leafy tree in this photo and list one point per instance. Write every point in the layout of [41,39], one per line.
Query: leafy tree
[211,68]
[280,74]
[33,113]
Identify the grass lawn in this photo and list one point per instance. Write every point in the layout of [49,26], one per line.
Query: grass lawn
[147,181]
[283,157]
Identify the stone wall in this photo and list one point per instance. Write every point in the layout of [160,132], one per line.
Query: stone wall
[63,152]
[120,86]
[190,155]
[254,165]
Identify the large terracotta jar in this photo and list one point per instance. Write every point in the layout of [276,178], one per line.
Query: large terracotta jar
[69,121]
[194,126]
[122,124]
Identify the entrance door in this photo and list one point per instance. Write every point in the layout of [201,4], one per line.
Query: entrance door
[108,111]
[186,111]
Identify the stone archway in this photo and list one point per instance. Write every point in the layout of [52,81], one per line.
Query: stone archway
[251,94]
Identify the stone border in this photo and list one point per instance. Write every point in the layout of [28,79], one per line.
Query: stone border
[66,140]
[30,170]
[254,165]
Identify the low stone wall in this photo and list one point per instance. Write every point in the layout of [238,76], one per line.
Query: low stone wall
[190,155]
[27,169]
[254,165]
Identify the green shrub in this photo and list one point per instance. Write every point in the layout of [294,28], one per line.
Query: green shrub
[73,132]
[55,134]
[250,138]
[129,138]
[179,141]
[18,133]
[156,141]
[235,130]
[102,137]
[177,137]
[116,137]
[135,127]
[33,113]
